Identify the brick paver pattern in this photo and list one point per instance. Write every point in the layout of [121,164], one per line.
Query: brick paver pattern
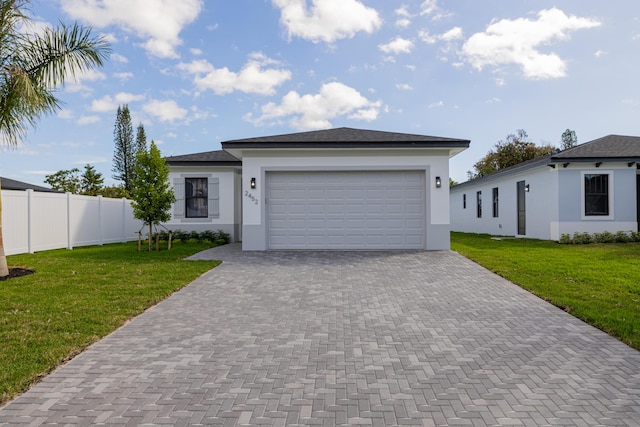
[344,338]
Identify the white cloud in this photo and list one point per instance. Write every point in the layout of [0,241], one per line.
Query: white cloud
[428,7]
[65,114]
[314,111]
[403,23]
[327,20]
[77,83]
[453,34]
[119,58]
[404,17]
[165,111]
[517,41]
[437,104]
[87,120]
[599,53]
[158,22]
[195,51]
[108,103]
[397,45]
[123,76]
[252,78]
[410,67]
[404,86]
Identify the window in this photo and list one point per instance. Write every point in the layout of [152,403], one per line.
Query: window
[196,197]
[479,203]
[495,202]
[596,195]
[464,201]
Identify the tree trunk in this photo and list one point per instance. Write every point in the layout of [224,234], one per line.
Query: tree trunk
[4,269]
[150,235]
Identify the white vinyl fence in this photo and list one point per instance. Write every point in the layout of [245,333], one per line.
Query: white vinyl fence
[37,221]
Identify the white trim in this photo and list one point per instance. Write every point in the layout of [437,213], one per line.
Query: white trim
[611,188]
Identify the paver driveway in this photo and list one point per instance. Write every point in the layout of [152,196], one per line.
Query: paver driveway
[332,338]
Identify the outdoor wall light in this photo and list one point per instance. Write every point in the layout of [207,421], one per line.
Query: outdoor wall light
[526,188]
[253,183]
[438,182]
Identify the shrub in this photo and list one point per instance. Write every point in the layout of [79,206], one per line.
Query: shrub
[565,239]
[604,237]
[582,238]
[622,237]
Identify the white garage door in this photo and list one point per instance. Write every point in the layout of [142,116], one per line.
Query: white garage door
[346,210]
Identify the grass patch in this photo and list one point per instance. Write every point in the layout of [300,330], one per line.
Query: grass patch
[76,297]
[597,283]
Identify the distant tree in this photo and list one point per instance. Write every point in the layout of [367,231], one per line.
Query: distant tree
[65,180]
[141,138]
[513,150]
[91,182]
[452,183]
[569,139]
[124,156]
[114,192]
[152,195]
[31,67]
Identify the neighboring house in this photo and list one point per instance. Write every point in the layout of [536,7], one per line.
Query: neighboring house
[331,189]
[593,187]
[12,184]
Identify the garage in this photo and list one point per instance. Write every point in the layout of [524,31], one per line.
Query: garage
[346,209]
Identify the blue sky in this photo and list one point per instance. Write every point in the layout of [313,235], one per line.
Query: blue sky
[196,73]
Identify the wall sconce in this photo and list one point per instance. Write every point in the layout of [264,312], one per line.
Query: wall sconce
[526,188]
[438,182]
[253,183]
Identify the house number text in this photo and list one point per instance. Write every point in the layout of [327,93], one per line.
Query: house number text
[251,197]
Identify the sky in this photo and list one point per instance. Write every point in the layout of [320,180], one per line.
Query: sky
[198,72]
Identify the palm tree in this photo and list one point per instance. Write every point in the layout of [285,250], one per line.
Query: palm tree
[31,67]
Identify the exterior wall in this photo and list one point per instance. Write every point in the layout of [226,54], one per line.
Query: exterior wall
[622,199]
[35,221]
[224,200]
[554,204]
[256,164]
[541,205]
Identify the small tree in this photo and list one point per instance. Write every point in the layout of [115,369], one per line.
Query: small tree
[124,155]
[65,180]
[569,139]
[152,195]
[91,182]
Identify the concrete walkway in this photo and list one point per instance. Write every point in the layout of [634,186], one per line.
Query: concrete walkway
[344,338]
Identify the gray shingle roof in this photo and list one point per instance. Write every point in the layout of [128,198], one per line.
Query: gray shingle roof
[345,138]
[12,184]
[606,148]
[211,158]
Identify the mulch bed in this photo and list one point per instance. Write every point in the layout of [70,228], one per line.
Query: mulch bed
[17,272]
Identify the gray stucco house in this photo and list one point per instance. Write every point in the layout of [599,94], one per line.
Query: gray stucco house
[592,187]
[340,188]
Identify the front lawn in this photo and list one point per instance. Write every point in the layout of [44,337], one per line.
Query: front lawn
[598,283]
[76,297]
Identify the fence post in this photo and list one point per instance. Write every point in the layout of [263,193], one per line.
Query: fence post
[69,237]
[29,221]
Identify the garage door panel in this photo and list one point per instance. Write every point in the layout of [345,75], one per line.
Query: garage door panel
[346,210]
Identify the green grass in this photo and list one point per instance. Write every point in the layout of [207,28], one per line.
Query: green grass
[77,297]
[598,283]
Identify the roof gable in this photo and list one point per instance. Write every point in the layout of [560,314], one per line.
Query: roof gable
[12,184]
[346,135]
[608,147]
[211,158]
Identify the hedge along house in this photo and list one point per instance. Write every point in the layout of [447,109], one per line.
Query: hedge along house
[593,187]
[330,189]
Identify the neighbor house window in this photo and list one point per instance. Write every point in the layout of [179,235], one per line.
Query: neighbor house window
[495,202]
[464,201]
[596,194]
[479,203]
[196,197]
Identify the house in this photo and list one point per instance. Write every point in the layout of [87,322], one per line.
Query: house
[330,189]
[12,184]
[592,187]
